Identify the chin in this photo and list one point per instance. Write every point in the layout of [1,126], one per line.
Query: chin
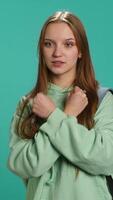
[57,72]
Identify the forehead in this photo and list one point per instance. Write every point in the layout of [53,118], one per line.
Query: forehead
[58,29]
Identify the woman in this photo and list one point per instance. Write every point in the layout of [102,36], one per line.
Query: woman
[61,138]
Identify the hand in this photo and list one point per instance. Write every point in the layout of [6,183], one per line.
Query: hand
[76,102]
[43,106]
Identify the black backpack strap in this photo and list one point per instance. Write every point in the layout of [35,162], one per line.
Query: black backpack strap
[110,184]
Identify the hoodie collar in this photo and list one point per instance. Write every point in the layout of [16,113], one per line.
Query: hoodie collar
[55,88]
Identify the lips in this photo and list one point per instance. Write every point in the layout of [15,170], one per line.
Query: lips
[57,63]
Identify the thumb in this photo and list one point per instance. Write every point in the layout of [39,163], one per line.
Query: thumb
[77,89]
[69,94]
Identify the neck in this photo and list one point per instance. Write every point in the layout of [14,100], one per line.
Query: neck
[63,82]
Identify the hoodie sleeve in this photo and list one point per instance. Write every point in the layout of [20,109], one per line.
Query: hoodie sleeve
[30,157]
[90,150]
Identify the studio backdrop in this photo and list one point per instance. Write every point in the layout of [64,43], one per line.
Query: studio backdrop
[20,25]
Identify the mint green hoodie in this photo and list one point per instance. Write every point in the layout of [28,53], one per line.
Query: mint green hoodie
[50,160]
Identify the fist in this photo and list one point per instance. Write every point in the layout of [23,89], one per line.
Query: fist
[76,102]
[43,106]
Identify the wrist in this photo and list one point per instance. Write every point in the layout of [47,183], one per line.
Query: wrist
[51,111]
[68,112]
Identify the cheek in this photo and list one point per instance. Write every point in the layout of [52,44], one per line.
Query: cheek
[46,54]
[73,56]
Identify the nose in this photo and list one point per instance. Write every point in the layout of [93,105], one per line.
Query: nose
[57,51]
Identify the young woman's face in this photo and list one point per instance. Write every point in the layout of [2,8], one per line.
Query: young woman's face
[60,50]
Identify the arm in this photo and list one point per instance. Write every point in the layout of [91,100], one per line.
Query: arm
[91,150]
[30,157]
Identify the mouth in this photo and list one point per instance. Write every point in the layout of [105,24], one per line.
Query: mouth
[57,63]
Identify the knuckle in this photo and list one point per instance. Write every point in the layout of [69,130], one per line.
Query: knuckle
[33,109]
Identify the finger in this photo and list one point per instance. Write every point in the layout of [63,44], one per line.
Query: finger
[86,101]
[34,110]
[83,95]
[84,91]
[35,107]
[35,100]
[76,89]
[35,104]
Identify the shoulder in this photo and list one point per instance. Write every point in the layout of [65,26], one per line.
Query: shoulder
[105,103]
[103,91]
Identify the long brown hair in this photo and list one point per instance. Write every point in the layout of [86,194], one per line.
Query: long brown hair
[85,77]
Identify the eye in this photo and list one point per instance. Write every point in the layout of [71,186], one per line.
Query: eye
[69,44]
[48,44]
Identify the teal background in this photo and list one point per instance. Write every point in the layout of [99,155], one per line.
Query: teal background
[20,24]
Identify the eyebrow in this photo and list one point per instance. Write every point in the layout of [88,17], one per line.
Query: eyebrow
[68,39]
